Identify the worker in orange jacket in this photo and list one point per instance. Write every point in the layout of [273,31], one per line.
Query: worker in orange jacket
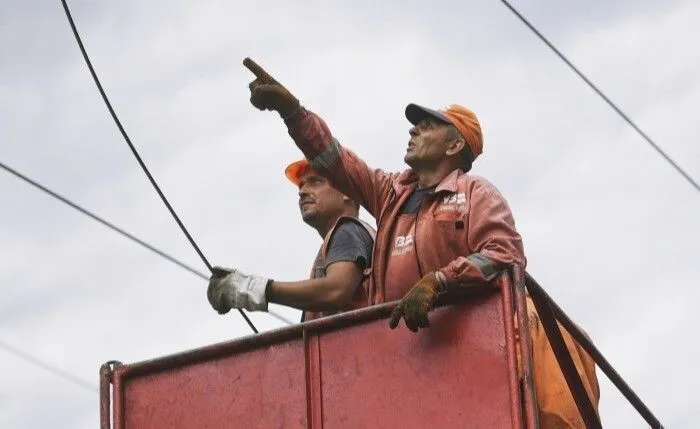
[440,228]
[339,279]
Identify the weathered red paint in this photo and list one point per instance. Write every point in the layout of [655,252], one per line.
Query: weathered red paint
[453,375]
[118,392]
[526,364]
[508,315]
[314,401]
[348,370]
[263,387]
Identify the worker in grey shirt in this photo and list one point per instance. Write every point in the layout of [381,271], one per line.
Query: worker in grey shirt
[340,275]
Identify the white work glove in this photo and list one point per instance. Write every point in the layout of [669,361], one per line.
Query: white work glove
[230,288]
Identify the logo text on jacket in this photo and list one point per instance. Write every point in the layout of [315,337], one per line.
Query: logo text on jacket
[402,244]
[455,202]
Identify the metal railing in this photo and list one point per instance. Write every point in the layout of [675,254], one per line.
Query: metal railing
[550,313]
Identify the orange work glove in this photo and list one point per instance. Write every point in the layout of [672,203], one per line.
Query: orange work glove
[268,94]
[414,307]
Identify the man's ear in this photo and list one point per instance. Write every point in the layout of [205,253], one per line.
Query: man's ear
[455,146]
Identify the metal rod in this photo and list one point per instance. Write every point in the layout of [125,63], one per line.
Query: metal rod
[117,229]
[566,363]
[605,98]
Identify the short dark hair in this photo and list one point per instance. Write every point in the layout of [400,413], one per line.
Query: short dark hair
[467,157]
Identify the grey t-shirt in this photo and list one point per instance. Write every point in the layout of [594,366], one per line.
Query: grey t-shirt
[416,199]
[350,242]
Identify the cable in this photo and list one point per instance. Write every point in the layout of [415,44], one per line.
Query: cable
[136,154]
[117,229]
[50,368]
[603,96]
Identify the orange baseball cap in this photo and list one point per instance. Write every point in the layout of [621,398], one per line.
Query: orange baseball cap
[462,118]
[296,170]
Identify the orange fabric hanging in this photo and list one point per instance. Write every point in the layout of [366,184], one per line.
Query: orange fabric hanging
[555,403]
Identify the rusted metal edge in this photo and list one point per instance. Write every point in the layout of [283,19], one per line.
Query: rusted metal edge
[597,356]
[349,318]
[528,383]
[209,352]
[118,397]
[226,348]
[506,287]
[566,363]
[303,331]
[106,371]
[223,349]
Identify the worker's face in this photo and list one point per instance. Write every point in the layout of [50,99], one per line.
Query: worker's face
[318,200]
[429,143]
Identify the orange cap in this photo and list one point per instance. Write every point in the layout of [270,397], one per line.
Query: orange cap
[462,118]
[296,170]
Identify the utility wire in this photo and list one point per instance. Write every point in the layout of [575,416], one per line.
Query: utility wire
[136,154]
[603,96]
[116,228]
[50,368]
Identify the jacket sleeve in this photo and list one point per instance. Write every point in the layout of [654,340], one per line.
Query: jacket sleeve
[344,170]
[491,234]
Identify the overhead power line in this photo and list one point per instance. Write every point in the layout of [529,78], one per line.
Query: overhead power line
[135,152]
[116,228]
[48,367]
[602,95]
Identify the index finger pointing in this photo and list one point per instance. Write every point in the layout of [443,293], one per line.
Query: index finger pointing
[257,70]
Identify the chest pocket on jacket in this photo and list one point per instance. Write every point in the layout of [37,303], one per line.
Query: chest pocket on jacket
[451,211]
[452,219]
[450,232]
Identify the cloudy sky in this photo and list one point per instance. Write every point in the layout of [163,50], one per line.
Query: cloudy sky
[607,223]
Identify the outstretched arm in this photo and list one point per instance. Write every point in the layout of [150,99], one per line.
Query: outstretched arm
[344,170]
[330,293]
[349,252]
[230,288]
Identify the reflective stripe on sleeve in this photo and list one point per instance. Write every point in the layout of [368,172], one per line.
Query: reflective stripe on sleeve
[488,269]
[328,157]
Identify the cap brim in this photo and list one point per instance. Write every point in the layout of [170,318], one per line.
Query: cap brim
[296,170]
[416,113]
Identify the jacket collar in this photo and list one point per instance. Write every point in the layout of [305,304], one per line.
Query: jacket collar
[407,180]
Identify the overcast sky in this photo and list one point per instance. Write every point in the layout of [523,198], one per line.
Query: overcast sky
[607,223]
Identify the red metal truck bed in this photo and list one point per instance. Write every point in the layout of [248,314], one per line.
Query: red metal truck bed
[345,371]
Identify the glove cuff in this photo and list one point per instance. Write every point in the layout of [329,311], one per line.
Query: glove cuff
[256,296]
[441,281]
